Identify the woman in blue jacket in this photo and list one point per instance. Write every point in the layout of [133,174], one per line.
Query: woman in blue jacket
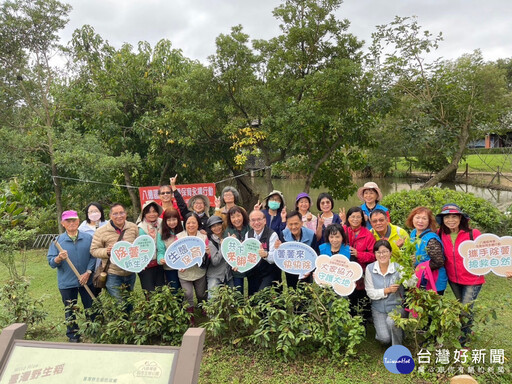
[335,242]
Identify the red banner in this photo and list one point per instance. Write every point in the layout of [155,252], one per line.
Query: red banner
[186,190]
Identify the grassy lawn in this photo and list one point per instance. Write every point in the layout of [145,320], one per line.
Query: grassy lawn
[252,366]
[476,163]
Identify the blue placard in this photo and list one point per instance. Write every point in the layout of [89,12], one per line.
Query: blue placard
[295,258]
[185,252]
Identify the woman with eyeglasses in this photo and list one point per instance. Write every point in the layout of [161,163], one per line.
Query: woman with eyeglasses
[381,282]
[165,196]
[199,204]
[229,198]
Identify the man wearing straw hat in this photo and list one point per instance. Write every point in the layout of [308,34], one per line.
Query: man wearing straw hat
[75,247]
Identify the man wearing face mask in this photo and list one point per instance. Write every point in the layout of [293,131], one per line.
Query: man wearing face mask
[274,209]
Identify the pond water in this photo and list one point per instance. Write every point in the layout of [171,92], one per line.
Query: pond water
[291,187]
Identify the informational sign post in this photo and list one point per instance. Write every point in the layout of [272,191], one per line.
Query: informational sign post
[63,363]
[338,272]
[487,253]
[133,257]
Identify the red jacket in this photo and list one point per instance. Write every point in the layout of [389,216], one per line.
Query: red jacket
[363,243]
[454,263]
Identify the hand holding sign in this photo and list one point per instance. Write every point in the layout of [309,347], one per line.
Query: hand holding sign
[295,258]
[487,253]
[133,257]
[242,256]
[339,272]
[185,252]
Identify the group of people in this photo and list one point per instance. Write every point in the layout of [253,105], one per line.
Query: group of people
[363,234]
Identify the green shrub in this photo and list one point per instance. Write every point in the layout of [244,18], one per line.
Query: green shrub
[289,322]
[484,215]
[17,306]
[157,317]
[438,322]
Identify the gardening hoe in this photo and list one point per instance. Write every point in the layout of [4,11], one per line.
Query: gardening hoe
[74,270]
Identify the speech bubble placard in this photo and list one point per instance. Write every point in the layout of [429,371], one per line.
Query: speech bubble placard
[243,256]
[487,253]
[185,252]
[133,257]
[338,272]
[295,258]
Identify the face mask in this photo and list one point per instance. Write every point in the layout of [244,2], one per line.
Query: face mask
[95,216]
[274,205]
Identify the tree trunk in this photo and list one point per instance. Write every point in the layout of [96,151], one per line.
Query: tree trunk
[131,192]
[451,169]
[307,183]
[58,194]
[164,180]
[56,181]
[268,177]
[318,164]
[247,194]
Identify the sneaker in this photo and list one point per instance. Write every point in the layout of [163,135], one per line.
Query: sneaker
[74,340]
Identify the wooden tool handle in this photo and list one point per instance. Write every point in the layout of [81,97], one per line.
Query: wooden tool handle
[70,263]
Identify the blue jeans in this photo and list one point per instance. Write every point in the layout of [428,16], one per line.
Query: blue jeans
[466,294]
[171,276]
[70,298]
[238,282]
[115,282]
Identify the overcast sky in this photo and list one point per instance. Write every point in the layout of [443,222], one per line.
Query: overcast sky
[193,25]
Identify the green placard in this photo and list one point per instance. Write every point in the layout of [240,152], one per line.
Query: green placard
[34,364]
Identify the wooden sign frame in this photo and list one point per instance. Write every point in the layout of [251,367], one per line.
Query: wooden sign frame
[184,369]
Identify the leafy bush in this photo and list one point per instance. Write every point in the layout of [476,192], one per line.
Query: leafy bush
[439,319]
[483,214]
[290,322]
[18,307]
[157,317]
